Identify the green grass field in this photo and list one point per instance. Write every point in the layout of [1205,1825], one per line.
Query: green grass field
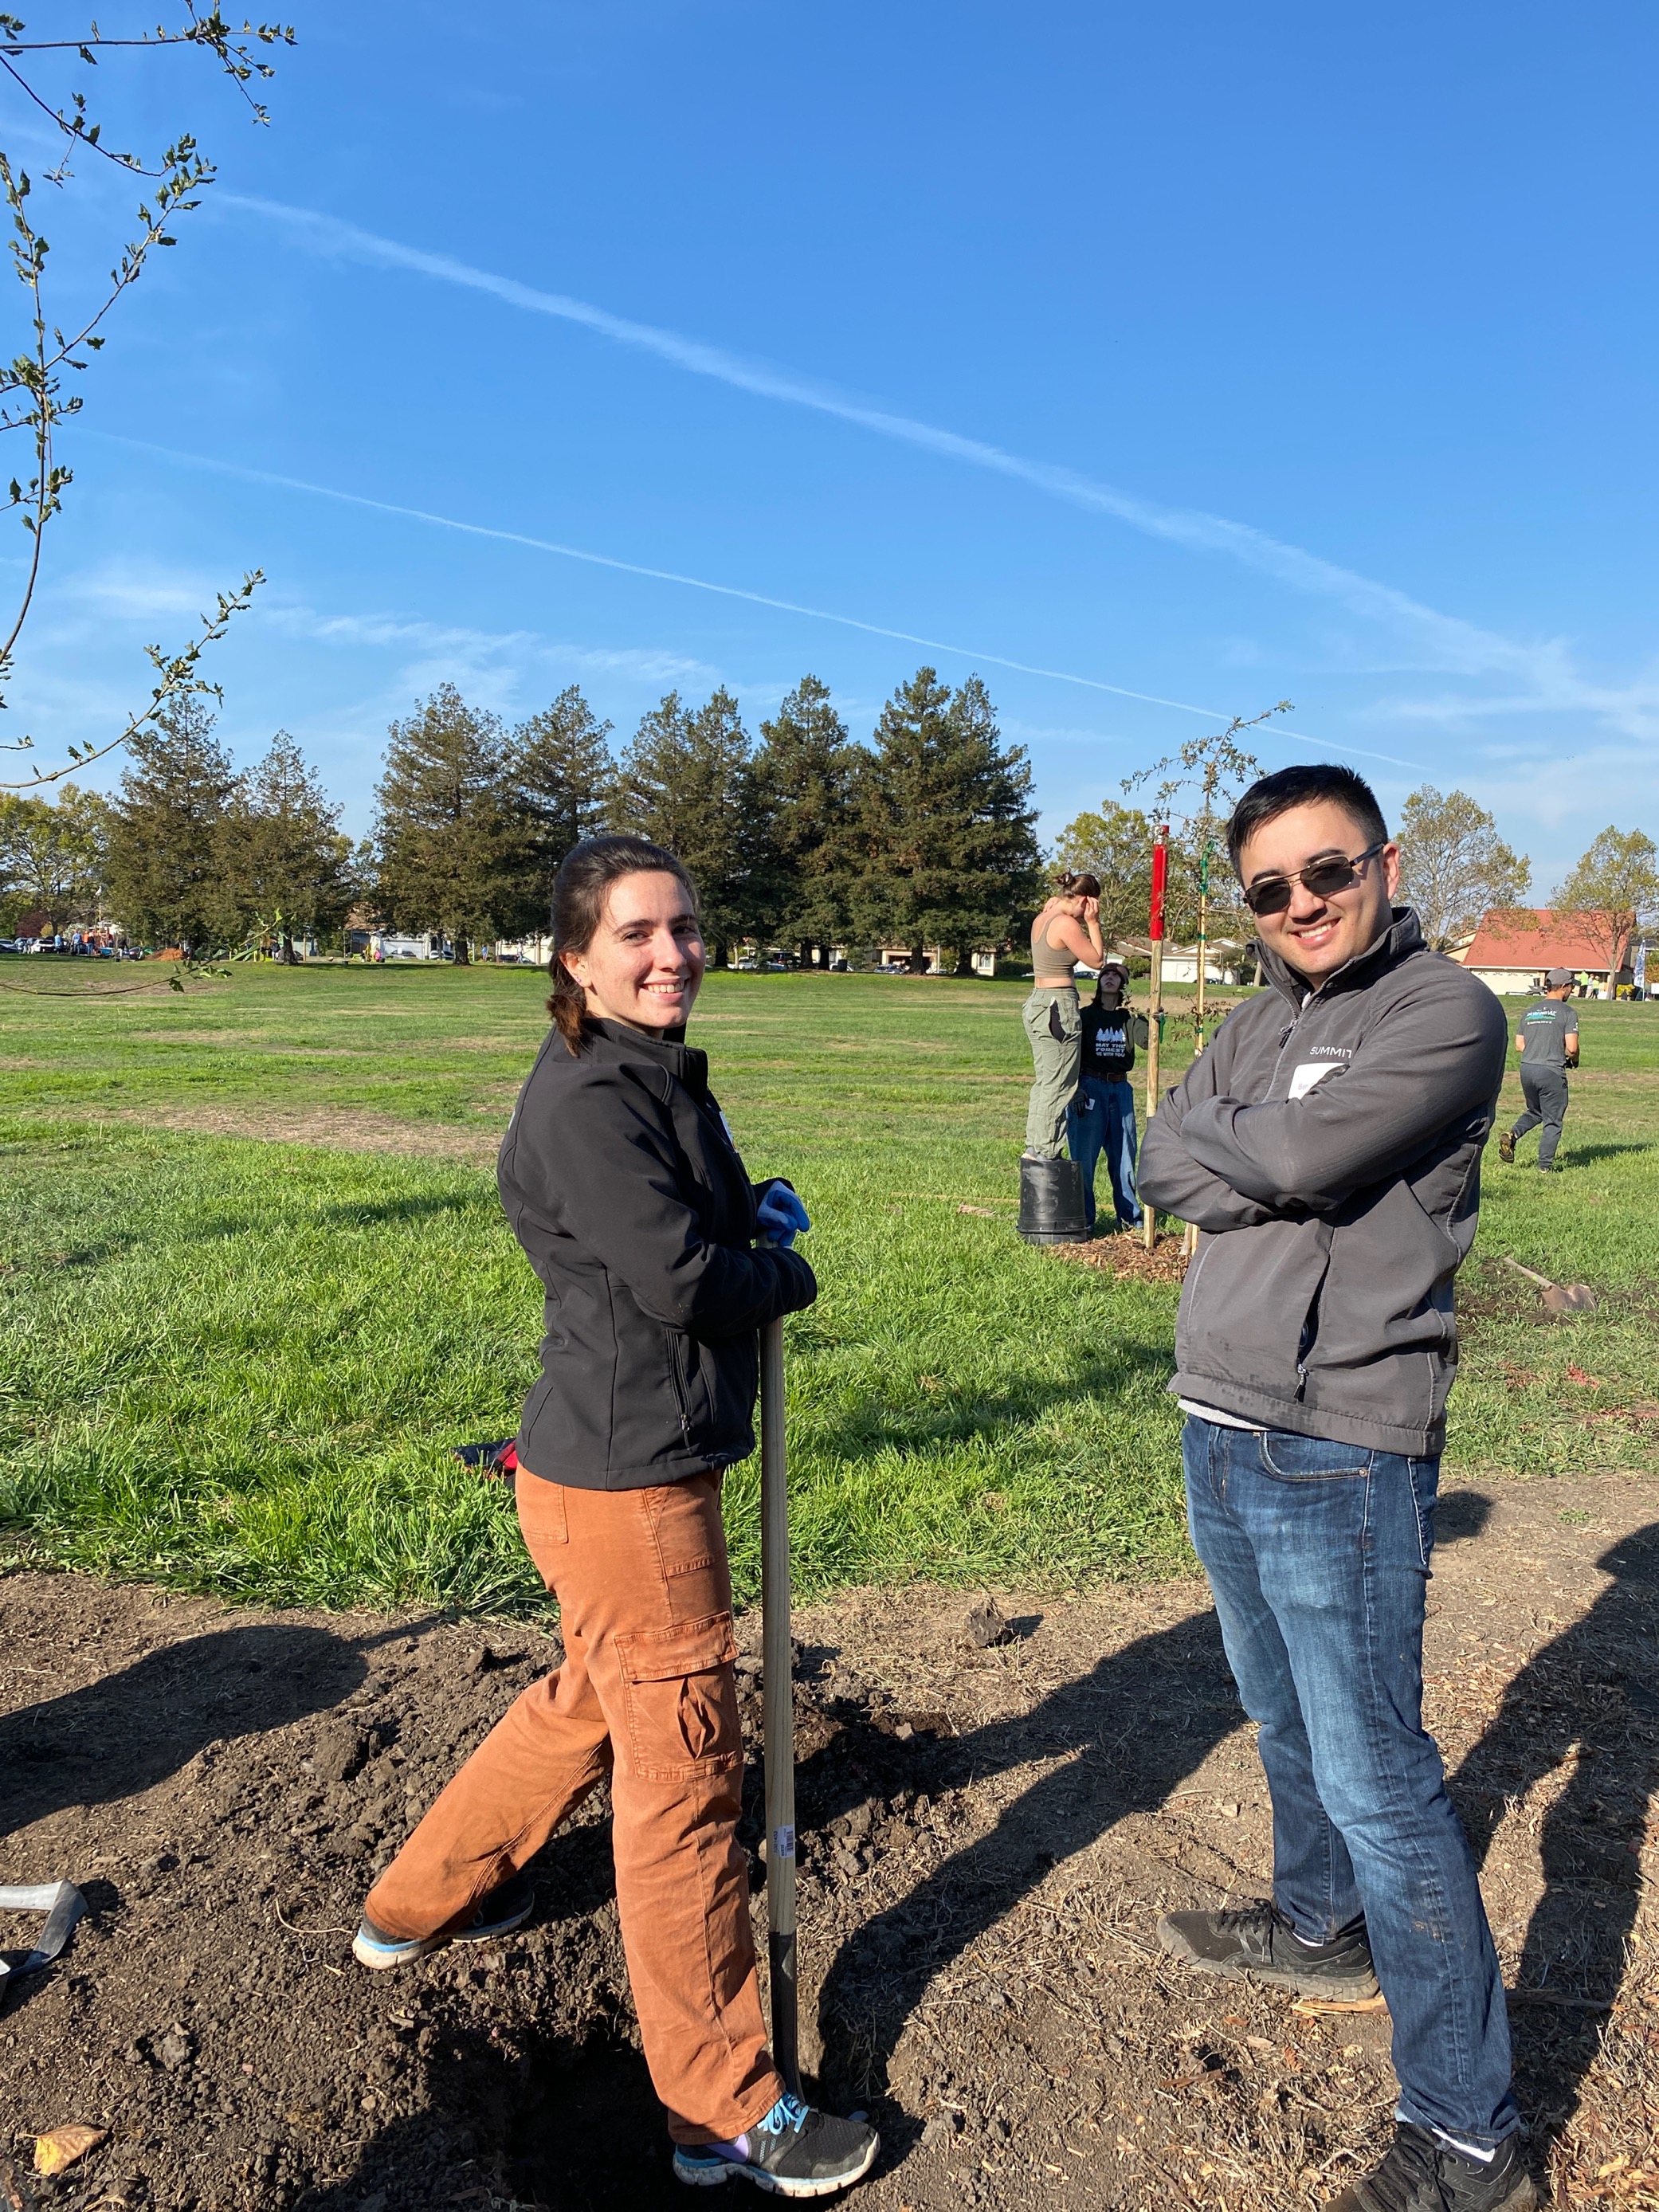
[240,1364]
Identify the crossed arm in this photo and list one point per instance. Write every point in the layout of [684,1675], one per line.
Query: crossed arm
[1215,1160]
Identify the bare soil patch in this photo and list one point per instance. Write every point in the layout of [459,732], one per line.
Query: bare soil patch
[335,1129]
[987,1838]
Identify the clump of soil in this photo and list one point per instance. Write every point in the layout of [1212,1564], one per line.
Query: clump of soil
[988,1831]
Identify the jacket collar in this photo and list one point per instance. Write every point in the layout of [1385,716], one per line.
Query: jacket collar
[667,1050]
[1403,936]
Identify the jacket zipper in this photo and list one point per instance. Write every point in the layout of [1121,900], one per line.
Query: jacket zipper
[679,1384]
[1310,1322]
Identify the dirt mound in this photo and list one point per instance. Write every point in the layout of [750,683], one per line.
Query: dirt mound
[988,1834]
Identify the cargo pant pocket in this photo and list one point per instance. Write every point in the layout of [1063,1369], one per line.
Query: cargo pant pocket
[681,1699]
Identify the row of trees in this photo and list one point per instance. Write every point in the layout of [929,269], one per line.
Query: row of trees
[924,837]
[188,853]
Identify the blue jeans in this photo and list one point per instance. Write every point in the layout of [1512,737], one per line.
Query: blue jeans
[1318,1557]
[1101,1118]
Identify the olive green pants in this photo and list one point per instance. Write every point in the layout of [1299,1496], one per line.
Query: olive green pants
[1054,1022]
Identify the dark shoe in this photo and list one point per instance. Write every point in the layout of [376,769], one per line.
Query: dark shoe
[794,2152]
[1506,1146]
[1259,1945]
[497,1462]
[502,1911]
[1548,1167]
[1420,2174]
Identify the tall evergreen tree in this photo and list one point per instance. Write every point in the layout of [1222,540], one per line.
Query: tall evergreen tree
[688,782]
[164,878]
[807,768]
[946,825]
[286,865]
[561,770]
[447,833]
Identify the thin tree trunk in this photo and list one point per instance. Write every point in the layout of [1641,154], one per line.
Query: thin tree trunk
[463,954]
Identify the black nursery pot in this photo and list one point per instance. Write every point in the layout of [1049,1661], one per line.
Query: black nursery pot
[1051,1202]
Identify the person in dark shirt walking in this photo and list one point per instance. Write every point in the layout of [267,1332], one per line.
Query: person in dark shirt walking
[1101,1117]
[1547,1041]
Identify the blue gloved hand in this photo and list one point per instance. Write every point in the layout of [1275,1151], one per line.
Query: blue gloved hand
[781,1215]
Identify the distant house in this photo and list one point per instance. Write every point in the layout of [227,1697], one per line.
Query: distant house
[1511,953]
[984,960]
[1224,958]
[372,942]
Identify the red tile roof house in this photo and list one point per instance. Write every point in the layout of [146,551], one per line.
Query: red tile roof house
[1510,957]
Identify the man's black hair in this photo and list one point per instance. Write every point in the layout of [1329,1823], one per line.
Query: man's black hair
[1270,796]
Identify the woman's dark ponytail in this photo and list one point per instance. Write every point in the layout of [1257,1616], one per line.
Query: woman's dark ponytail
[580,892]
[568,1005]
[1071,885]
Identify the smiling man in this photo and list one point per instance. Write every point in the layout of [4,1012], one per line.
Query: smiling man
[1327,1145]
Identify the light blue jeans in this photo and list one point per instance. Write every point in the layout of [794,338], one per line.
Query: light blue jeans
[1318,1558]
[1101,1118]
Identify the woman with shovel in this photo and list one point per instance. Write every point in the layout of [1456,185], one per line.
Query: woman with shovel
[621,1180]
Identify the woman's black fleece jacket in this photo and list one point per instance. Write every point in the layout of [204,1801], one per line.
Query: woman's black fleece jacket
[623,1185]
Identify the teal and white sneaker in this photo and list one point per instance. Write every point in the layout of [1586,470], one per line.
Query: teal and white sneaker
[794,2152]
[498,1914]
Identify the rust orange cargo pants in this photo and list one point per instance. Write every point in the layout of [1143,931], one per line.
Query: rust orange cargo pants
[646,1692]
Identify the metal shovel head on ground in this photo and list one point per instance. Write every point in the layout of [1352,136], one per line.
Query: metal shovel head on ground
[63,1904]
[1560,1297]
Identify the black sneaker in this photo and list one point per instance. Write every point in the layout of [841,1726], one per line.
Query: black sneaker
[1506,1146]
[1421,2173]
[1259,1945]
[794,2152]
[502,1911]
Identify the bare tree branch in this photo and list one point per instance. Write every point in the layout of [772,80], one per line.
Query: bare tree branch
[32,386]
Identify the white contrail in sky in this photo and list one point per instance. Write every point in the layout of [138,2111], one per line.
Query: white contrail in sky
[1458,645]
[638,568]
[703,584]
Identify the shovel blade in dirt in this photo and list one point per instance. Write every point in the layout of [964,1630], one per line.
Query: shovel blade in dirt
[1570,1299]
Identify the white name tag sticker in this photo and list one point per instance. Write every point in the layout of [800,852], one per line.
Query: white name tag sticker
[1304,1079]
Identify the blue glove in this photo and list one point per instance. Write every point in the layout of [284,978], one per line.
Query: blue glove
[781,1215]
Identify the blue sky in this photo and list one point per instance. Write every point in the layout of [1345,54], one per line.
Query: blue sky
[1189,359]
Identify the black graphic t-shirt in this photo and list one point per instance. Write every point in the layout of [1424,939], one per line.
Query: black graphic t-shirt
[1110,1034]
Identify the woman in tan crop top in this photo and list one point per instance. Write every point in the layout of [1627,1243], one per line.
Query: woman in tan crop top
[1066,931]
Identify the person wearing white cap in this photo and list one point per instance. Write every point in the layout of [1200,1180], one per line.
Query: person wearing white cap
[1547,1041]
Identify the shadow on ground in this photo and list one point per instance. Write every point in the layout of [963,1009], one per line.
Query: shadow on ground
[129,1730]
[1593,1692]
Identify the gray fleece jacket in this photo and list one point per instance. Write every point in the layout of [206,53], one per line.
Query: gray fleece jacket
[1327,1145]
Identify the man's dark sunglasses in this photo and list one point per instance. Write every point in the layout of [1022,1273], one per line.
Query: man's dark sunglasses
[1272,894]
